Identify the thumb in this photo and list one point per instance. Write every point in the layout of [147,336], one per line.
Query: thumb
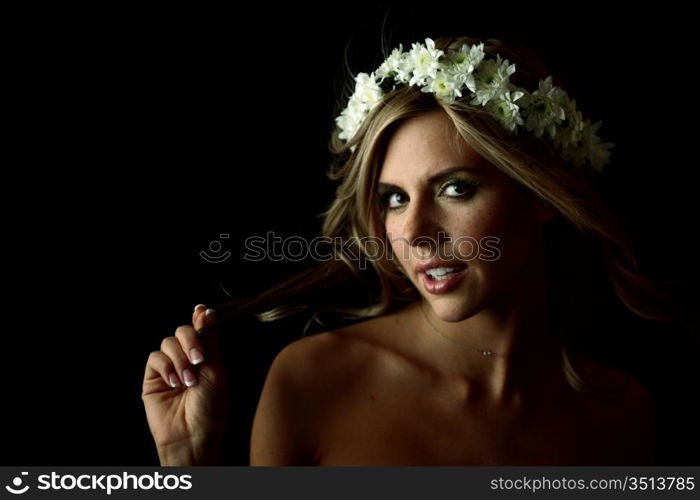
[209,336]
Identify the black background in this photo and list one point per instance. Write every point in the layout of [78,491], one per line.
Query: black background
[139,136]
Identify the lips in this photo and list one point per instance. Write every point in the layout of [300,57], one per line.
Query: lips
[447,283]
[423,267]
[444,283]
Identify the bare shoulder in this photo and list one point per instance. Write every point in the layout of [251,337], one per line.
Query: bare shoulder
[637,396]
[282,432]
[307,380]
[337,356]
[331,368]
[626,420]
[636,421]
[631,395]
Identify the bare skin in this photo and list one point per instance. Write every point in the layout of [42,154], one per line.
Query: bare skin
[377,400]
[390,391]
[184,395]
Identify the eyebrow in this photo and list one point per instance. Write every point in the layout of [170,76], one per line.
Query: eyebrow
[434,179]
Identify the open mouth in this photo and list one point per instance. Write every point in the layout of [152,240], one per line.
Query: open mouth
[439,280]
[442,273]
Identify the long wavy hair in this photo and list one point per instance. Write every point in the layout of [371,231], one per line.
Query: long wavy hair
[589,256]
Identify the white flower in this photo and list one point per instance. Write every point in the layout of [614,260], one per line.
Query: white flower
[599,156]
[424,60]
[465,61]
[468,58]
[466,73]
[568,134]
[544,108]
[447,85]
[588,147]
[396,66]
[491,79]
[367,94]
[350,120]
[505,109]
[367,90]
[596,152]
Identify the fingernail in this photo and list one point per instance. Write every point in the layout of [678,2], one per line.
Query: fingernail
[198,306]
[189,378]
[174,381]
[196,356]
[209,314]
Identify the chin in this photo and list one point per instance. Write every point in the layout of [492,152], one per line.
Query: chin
[451,308]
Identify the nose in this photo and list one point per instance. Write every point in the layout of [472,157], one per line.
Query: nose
[421,229]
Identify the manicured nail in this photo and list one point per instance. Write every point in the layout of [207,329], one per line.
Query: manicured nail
[189,378]
[174,381]
[209,315]
[198,306]
[196,356]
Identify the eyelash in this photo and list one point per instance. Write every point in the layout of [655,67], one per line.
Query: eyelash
[468,184]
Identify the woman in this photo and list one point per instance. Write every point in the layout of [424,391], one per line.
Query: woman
[475,202]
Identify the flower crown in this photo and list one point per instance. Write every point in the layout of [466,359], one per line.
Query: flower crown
[467,70]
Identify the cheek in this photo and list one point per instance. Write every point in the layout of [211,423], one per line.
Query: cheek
[395,239]
[508,229]
[476,223]
[516,240]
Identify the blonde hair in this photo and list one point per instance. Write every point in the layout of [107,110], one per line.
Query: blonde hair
[588,232]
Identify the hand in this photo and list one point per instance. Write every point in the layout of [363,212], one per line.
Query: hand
[185,394]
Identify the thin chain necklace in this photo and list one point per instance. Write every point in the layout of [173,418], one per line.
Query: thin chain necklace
[485,352]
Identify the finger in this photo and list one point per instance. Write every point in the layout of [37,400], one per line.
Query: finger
[191,344]
[209,335]
[198,309]
[204,324]
[209,317]
[172,347]
[160,365]
[202,320]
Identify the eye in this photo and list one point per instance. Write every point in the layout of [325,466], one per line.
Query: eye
[457,188]
[391,199]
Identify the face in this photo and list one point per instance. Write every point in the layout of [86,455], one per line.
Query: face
[444,201]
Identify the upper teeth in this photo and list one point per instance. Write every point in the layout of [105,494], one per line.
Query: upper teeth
[439,271]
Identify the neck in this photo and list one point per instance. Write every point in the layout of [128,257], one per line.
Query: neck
[516,329]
